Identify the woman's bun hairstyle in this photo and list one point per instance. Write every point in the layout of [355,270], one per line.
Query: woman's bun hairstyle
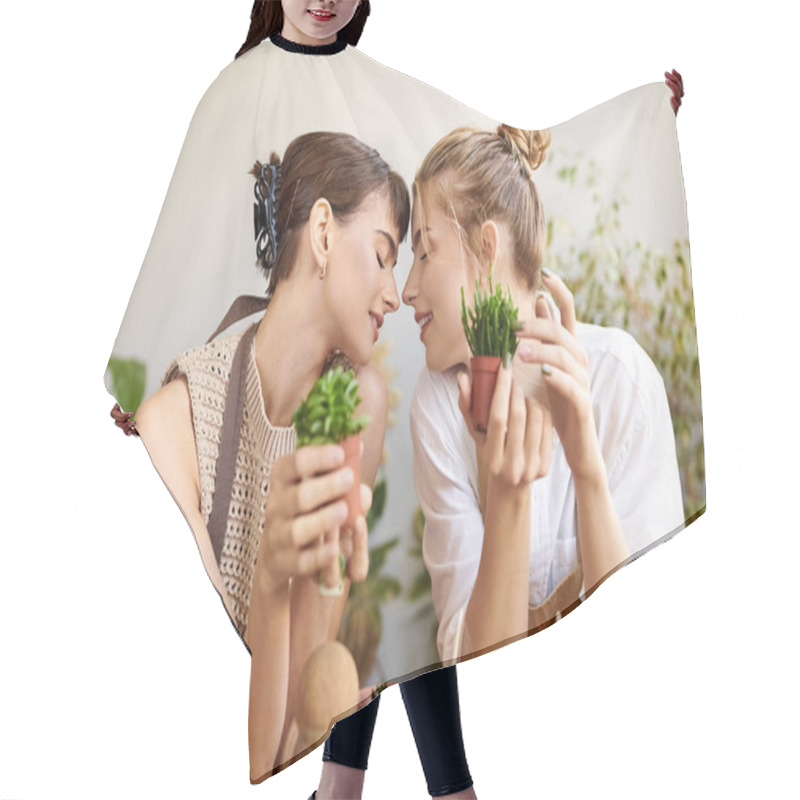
[476,175]
[529,146]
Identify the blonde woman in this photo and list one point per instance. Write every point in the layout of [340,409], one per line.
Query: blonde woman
[577,470]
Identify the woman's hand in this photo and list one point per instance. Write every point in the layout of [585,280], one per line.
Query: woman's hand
[518,443]
[305,509]
[354,542]
[365,696]
[675,82]
[565,375]
[515,450]
[124,420]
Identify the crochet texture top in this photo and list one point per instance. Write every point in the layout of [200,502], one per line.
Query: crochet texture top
[207,370]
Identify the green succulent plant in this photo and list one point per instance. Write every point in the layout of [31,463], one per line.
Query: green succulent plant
[326,415]
[492,323]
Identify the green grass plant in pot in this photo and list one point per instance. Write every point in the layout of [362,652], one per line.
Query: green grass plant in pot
[490,332]
[327,416]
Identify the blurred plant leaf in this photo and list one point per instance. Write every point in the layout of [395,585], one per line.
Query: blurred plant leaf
[621,283]
[128,378]
[378,503]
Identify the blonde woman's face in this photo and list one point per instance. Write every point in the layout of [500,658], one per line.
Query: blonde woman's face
[434,284]
[361,265]
[316,21]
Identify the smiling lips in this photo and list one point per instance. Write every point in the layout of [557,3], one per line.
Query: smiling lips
[377,322]
[423,320]
[322,16]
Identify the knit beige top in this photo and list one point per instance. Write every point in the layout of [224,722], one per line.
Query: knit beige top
[207,370]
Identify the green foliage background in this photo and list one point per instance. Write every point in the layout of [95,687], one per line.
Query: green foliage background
[624,283]
[128,377]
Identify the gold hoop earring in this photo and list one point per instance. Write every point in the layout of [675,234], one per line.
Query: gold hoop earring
[322,271]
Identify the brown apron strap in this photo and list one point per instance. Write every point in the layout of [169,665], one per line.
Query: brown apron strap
[558,603]
[243,306]
[229,442]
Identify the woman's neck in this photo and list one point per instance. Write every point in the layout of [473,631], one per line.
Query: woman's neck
[291,347]
[294,34]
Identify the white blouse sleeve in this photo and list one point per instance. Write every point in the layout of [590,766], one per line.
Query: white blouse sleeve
[453,535]
[638,444]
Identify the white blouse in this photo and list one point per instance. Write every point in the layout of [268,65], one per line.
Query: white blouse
[634,429]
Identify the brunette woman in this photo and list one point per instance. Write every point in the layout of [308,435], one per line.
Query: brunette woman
[331,284]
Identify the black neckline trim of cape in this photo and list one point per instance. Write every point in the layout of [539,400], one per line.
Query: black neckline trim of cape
[308,49]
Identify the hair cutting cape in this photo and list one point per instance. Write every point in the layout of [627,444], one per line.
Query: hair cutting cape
[614,203]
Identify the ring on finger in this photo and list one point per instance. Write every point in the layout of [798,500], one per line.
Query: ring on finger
[338,589]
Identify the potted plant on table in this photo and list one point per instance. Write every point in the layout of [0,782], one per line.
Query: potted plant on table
[327,416]
[490,332]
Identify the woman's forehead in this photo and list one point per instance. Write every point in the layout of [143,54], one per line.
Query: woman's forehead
[421,211]
[377,216]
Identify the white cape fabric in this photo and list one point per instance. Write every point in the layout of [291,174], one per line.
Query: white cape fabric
[617,233]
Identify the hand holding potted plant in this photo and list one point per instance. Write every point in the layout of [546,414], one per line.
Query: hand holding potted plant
[327,416]
[491,336]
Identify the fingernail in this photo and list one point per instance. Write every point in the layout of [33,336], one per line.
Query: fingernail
[547,369]
[338,457]
[507,360]
[524,351]
[546,272]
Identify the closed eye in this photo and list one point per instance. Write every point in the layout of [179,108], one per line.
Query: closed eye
[379,261]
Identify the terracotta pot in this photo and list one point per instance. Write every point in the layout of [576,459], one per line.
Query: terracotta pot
[484,379]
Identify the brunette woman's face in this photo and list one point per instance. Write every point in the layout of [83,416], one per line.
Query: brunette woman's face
[361,261]
[434,285]
[316,21]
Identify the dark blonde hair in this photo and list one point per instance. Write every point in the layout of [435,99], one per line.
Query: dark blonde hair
[266,18]
[338,167]
[478,175]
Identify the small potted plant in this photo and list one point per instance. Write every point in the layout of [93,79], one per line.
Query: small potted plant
[490,332]
[327,416]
